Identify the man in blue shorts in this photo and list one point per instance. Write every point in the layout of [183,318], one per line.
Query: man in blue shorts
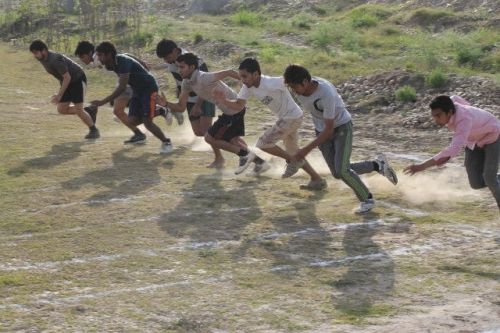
[144,90]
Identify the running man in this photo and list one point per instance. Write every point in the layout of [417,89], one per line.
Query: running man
[333,127]
[73,83]
[227,130]
[144,90]
[476,130]
[273,92]
[200,112]
[86,52]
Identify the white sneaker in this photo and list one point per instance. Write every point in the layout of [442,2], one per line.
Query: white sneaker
[245,162]
[166,147]
[292,168]
[260,168]
[385,169]
[179,117]
[365,206]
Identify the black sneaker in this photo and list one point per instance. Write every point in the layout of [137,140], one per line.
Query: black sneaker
[92,111]
[136,138]
[93,134]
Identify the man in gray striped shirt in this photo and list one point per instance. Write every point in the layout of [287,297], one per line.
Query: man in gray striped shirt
[333,127]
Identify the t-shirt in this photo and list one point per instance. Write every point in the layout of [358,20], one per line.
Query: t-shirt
[273,93]
[203,84]
[140,80]
[172,68]
[58,64]
[325,103]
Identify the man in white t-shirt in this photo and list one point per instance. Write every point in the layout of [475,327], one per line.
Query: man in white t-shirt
[273,92]
[227,130]
[333,126]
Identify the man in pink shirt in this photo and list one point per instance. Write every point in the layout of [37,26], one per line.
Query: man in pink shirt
[475,130]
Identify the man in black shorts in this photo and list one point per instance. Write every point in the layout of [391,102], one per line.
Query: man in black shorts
[200,111]
[228,129]
[72,80]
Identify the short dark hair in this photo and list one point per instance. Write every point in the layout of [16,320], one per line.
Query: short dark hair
[295,74]
[251,65]
[189,59]
[444,103]
[84,47]
[106,48]
[165,47]
[38,45]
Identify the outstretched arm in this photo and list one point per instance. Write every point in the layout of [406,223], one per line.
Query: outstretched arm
[122,85]
[322,137]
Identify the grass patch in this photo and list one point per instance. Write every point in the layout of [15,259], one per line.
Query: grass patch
[406,94]
[428,16]
[246,18]
[436,79]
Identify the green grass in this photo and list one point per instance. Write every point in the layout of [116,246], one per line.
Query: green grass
[406,94]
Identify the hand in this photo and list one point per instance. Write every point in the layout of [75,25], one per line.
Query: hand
[161,99]
[196,111]
[97,103]
[55,99]
[413,169]
[300,154]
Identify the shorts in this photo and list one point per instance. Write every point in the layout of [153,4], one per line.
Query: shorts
[228,127]
[143,105]
[284,129]
[207,110]
[75,91]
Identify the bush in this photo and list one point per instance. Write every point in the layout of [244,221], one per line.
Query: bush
[406,94]
[245,17]
[467,56]
[368,16]
[302,21]
[198,38]
[322,36]
[437,79]
[428,16]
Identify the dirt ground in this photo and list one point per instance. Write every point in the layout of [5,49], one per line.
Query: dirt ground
[101,237]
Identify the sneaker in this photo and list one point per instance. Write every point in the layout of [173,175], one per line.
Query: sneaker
[136,138]
[365,206]
[245,162]
[179,117]
[260,168]
[93,134]
[385,169]
[292,168]
[315,185]
[92,111]
[166,147]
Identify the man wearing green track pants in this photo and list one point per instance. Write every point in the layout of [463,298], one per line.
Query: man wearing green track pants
[333,126]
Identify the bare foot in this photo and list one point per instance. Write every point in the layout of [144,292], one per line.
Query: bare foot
[217,164]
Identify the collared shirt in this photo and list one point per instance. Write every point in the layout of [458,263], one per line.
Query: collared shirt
[471,126]
[273,92]
[203,84]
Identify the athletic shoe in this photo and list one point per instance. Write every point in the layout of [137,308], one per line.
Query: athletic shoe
[365,206]
[93,134]
[136,138]
[92,111]
[260,168]
[245,162]
[292,168]
[315,185]
[179,117]
[385,169]
[166,147]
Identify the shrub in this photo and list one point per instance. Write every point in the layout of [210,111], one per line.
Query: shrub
[245,17]
[467,56]
[428,16]
[368,16]
[322,36]
[436,79]
[198,38]
[302,21]
[406,94]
